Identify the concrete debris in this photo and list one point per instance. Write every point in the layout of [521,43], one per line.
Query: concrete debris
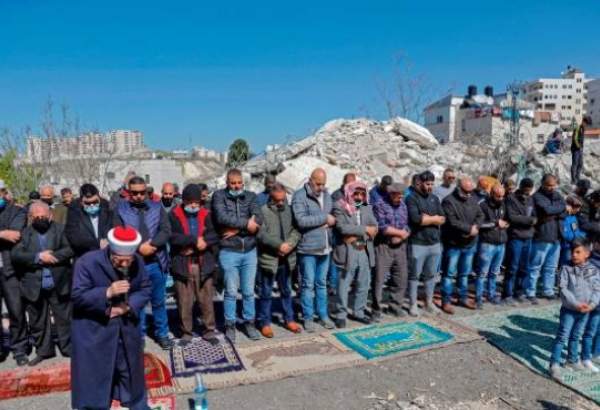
[400,148]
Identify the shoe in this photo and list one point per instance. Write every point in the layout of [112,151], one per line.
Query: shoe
[590,366]
[184,342]
[521,299]
[230,331]
[447,308]
[340,323]
[396,312]
[533,300]
[431,309]
[509,301]
[251,331]
[414,310]
[309,326]
[165,343]
[555,371]
[21,360]
[293,327]
[267,331]
[211,337]
[376,316]
[550,297]
[495,300]
[37,360]
[327,323]
[479,305]
[467,304]
[363,319]
[577,366]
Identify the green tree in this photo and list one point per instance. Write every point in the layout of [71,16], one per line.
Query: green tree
[239,152]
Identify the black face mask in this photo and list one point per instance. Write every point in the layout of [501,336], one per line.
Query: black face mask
[41,225]
[167,201]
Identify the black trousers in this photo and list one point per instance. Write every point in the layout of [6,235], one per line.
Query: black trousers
[41,325]
[576,165]
[11,293]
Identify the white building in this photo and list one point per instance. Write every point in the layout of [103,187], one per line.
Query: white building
[565,95]
[440,118]
[593,102]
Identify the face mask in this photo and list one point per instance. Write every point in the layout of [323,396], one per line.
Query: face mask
[167,201]
[358,204]
[235,193]
[190,210]
[2,203]
[92,210]
[41,225]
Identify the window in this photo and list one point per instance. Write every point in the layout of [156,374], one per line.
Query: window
[440,119]
[110,175]
[569,97]
[577,111]
[569,107]
[147,178]
[541,138]
[564,86]
[578,101]
[570,86]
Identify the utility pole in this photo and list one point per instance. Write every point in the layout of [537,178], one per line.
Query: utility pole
[515,125]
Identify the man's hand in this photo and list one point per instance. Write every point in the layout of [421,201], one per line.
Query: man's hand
[330,220]
[404,234]
[502,224]
[47,258]
[285,248]
[395,240]
[103,243]
[474,230]
[10,235]
[201,244]
[371,231]
[252,226]
[118,287]
[229,232]
[119,310]
[146,249]
[583,308]
[570,210]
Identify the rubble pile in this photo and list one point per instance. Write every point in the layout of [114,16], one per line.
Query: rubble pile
[400,148]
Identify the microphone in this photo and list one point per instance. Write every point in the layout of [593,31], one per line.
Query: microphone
[124,273]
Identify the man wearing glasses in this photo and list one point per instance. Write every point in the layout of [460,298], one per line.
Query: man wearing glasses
[151,221]
[88,221]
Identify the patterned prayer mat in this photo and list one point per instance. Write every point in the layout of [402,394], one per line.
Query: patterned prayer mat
[527,335]
[27,381]
[157,403]
[391,338]
[201,356]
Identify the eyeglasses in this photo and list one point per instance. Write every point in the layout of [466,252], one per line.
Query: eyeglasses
[90,203]
[137,193]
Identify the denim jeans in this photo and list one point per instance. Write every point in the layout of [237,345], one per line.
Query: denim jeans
[424,261]
[565,254]
[543,259]
[458,263]
[518,263]
[570,329]
[334,276]
[157,301]
[358,273]
[239,272]
[590,344]
[313,269]
[265,288]
[490,260]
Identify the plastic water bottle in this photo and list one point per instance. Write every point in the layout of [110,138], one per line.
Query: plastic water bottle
[200,401]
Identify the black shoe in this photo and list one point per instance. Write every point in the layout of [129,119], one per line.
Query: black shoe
[184,342]
[533,300]
[550,297]
[37,360]
[340,323]
[251,331]
[363,319]
[396,312]
[211,337]
[230,332]
[21,360]
[376,316]
[165,343]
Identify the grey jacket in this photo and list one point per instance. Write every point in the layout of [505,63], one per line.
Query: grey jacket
[579,284]
[310,218]
[347,225]
[276,222]
[234,212]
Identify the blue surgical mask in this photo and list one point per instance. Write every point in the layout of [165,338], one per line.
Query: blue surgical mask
[358,204]
[235,193]
[92,210]
[2,203]
[191,210]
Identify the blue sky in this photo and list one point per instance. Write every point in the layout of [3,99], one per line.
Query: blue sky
[184,70]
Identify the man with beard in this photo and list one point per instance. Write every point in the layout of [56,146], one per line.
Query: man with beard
[110,290]
[42,259]
[151,221]
[59,211]
[167,197]
[263,197]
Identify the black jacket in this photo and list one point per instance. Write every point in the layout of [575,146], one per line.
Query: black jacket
[24,257]
[180,242]
[489,231]
[521,215]
[234,212]
[461,214]
[80,231]
[589,220]
[550,210]
[417,204]
[11,218]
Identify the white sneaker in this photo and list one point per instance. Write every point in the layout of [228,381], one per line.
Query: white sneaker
[555,371]
[575,366]
[414,310]
[590,366]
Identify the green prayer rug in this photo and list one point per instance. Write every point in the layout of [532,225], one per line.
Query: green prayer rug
[528,335]
[386,339]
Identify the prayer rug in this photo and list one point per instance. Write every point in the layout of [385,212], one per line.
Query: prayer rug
[201,356]
[156,403]
[386,339]
[527,335]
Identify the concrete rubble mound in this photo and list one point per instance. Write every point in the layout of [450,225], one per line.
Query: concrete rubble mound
[400,148]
